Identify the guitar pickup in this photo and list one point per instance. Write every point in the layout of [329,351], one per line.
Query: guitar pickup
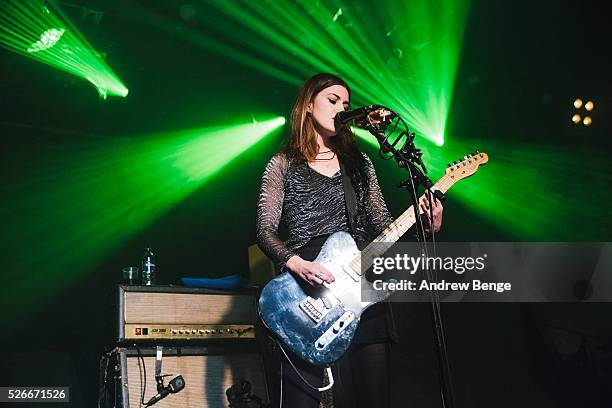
[351,273]
[316,308]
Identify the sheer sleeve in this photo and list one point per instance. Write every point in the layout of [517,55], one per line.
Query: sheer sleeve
[377,214]
[270,209]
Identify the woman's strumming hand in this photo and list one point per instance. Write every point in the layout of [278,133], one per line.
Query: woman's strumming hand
[310,272]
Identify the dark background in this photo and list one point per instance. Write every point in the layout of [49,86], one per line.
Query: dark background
[521,65]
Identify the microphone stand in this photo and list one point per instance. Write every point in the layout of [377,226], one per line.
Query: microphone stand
[409,157]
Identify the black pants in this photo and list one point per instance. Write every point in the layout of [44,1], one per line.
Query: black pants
[362,379]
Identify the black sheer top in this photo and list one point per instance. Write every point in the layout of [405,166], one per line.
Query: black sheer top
[311,205]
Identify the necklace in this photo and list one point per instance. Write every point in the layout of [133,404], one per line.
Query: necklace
[326,159]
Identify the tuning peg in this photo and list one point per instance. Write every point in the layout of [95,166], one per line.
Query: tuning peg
[477,152]
[448,165]
[455,162]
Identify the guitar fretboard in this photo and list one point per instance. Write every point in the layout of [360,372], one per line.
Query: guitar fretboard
[393,232]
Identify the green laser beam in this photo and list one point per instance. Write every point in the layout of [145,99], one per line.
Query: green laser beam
[405,57]
[529,191]
[83,202]
[400,54]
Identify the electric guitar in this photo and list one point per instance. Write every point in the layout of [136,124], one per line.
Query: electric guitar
[319,323]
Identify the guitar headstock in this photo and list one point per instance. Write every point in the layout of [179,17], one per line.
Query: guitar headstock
[461,169]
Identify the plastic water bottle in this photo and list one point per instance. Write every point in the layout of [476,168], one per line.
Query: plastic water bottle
[148,267]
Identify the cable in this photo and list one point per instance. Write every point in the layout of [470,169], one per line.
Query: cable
[143,373]
[297,371]
[280,404]
[103,389]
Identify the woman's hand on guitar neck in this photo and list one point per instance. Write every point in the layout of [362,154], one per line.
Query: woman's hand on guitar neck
[436,210]
[310,272]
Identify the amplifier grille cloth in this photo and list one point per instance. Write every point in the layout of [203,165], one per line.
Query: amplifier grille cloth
[206,378]
[185,308]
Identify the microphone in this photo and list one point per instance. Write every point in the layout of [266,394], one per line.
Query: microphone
[174,386]
[368,115]
[344,117]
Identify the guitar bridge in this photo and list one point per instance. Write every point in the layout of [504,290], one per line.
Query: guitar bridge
[316,309]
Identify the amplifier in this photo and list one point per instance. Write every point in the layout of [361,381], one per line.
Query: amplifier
[208,372]
[168,314]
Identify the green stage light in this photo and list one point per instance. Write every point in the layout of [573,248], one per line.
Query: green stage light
[33,30]
[47,40]
[88,200]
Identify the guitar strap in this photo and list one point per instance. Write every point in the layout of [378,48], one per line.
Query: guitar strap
[350,199]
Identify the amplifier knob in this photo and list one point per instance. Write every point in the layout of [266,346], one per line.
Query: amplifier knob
[200,332]
[181,331]
[193,331]
[174,331]
[207,331]
[229,331]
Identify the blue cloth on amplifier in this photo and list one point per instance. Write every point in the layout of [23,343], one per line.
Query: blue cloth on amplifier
[227,282]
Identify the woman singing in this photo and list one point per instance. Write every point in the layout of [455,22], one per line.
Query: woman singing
[302,186]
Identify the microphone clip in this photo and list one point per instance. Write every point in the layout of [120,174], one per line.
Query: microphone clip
[159,379]
[375,117]
[175,385]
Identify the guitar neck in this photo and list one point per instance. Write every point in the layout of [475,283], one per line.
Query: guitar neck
[394,231]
